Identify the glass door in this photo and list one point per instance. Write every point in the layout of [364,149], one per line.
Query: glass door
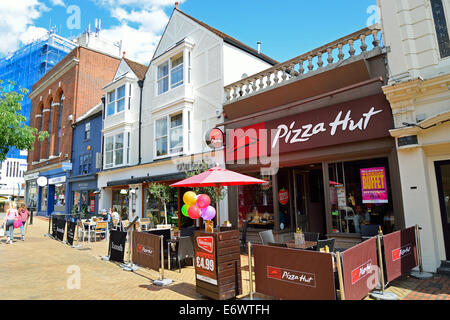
[443,183]
[300,200]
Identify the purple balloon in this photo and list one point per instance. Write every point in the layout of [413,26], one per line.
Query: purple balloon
[208,213]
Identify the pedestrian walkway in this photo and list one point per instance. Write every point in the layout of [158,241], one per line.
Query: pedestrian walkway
[43,268]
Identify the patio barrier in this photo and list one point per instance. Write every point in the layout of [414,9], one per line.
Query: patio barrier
[359,270]
[147,250]
[71,227]
[116,249]
[60,228]
[293,274]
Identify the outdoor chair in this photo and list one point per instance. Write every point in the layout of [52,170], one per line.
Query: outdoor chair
[327,242]
[184,249]
[311,236]
[144,223]
[368,231]
[266,237]
[99,229]
[166,239]
[244,235]
[82,230]
[187,232]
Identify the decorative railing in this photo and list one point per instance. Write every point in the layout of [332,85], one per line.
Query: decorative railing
[338,51]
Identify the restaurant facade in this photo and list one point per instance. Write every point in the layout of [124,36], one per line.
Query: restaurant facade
[322,142]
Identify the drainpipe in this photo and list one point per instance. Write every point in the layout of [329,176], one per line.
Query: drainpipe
[141,86]
[103,126]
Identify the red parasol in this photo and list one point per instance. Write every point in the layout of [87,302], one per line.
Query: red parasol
[217,177]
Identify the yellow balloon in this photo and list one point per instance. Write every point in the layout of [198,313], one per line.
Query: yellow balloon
[190,198]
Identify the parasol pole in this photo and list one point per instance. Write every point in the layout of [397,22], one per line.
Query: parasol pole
[218,207]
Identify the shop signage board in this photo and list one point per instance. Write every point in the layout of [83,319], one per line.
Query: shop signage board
[71,232]
[400,253]
[293,274]
[359,265]
[217,264]
[60,228]
[57,180]
[283,196]
[147,250]
[214,138]
[373,185]
[117,241]
[358,120]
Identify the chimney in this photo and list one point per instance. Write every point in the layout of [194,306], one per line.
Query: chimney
[259,47]
[176,5]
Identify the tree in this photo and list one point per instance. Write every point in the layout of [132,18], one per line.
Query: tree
[13,129]
[161,192]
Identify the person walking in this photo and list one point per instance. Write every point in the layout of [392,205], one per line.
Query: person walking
[24,214]
[8,223]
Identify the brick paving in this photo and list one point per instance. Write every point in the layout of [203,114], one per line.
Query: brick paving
[41,268]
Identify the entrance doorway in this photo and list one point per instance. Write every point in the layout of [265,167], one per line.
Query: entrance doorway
[309,206]
[443,184]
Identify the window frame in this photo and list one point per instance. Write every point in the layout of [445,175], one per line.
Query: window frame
[115,100]
[446,12]
[167,135]
[170,69]
[125,149]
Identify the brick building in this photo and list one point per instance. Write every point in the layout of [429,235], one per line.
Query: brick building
[58,99]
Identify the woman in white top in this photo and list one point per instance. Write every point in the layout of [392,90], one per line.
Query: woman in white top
[11,215]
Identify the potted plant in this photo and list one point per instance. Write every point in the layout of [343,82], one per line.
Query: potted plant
[74,213]
[84,212]
[162,192]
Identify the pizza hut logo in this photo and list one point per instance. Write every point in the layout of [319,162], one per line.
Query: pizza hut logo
[362,271]
[292,276]
[402,252]
[206,243]
[283,196]
[144,250]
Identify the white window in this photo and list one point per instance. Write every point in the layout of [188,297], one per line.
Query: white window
[170,72]
[87,131]
[117,150]
[116,101]
[169,135]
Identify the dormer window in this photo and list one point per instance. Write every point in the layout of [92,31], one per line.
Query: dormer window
[170,72]
[116,101]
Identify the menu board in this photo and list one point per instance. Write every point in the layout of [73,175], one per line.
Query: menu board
[373,185]
[205,258]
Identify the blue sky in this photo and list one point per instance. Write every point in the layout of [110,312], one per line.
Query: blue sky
[286,28]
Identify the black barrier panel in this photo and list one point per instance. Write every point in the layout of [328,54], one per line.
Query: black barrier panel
[54,220]
[71,232]
[117,241]
[60,229]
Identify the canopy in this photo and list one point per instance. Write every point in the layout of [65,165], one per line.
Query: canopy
[216,177]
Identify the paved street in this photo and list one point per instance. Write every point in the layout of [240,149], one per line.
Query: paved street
[42,268]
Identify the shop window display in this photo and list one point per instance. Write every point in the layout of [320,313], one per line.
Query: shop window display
[360,193]
[44,198]
[256,203]
[60,197]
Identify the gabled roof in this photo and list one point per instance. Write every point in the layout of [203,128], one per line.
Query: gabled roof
[139,69]
[230,40]
[93,111]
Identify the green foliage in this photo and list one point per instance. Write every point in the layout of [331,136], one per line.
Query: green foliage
[13,130]
[160,191]
[74,210]
[210,191]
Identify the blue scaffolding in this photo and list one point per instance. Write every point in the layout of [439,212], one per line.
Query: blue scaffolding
[28,64]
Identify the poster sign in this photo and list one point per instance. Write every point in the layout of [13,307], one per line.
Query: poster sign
[373,185]
[117,241]
[294,274]
[71,232]
[341,199]
[60,228]
[92,205]
[147,250]
[283,196]
[54,226]
[205,258]
[400,254]
[359,264]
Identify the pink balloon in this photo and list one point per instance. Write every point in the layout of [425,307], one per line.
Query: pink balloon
[208,213]
[194,212]
[203,201]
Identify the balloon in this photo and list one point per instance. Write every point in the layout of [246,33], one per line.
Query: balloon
[190,198]
[184,210]
[203,201]
[194,212]
[208,213]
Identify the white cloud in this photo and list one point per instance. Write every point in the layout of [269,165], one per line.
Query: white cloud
[141,25]
[16,20]
[58,3]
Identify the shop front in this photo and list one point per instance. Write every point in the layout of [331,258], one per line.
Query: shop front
[331,168]
[83,196]
[52,195]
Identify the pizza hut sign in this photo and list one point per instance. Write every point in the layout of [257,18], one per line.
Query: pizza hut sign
[292,276]
[144,250]
[402,252]
[283,196]
[205,243]
[362,271]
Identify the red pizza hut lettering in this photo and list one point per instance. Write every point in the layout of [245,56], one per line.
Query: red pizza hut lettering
[292,276]
[205,243]
[402,252]
[305,132]
[283,196]
[144,250]
[361,271]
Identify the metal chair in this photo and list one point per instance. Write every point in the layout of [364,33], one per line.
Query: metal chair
[184,249]
[99,229]
[244,235]
[311,236]
[187,232]
[266,237]
[327,242]
[144,223]
[82,230]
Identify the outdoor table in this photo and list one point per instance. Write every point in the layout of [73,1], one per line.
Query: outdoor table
[308,244]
